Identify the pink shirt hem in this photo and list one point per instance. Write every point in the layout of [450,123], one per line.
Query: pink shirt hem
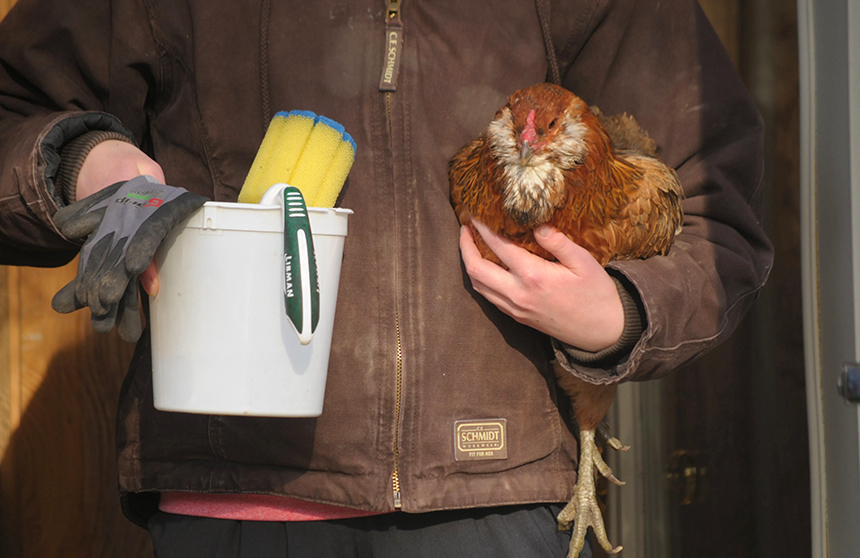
[253,507]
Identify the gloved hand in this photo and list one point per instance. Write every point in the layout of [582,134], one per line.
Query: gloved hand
[125,223]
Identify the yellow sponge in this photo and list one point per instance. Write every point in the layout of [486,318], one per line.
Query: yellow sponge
[336,175]
[278,154]
[316,158]
[310,152]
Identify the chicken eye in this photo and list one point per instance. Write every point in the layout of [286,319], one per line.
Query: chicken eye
[552,124]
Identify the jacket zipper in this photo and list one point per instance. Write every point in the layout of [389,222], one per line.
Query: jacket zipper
[395,477]
[387,85]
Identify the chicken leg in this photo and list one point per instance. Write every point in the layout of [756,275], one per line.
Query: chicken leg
[590,404]
[583,509]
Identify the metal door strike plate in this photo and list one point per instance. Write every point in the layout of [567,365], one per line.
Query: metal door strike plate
[849,382]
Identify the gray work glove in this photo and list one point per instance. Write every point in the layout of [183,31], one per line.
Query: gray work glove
[124,224]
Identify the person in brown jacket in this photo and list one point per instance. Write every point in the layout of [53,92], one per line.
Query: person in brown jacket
[96,91]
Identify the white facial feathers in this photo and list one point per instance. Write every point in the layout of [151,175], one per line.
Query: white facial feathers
[531,183]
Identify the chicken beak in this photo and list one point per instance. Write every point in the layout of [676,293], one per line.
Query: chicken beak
[526,153]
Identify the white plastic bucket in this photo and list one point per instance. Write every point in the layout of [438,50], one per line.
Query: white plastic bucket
[221,340]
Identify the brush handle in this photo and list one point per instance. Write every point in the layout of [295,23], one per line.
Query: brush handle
[301,285]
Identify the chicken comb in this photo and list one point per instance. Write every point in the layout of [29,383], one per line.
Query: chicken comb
[303,149]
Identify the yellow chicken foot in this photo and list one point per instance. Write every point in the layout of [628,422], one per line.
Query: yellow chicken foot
[582,509]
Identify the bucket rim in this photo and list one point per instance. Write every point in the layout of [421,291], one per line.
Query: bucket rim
[261,207]
[248,217]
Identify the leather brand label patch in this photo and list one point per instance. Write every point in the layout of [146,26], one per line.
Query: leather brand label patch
[393,55]
[480,439]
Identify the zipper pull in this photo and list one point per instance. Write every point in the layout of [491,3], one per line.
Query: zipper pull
[393,47]
[395,484]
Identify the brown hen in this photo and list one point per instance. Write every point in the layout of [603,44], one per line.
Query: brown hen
[548,158]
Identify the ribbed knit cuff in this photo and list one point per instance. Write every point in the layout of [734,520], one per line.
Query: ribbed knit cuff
[72,157]
[634,325]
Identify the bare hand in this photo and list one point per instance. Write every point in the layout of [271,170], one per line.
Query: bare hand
[113,161]
[572,299]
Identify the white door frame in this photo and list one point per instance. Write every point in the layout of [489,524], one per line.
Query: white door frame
[829,55]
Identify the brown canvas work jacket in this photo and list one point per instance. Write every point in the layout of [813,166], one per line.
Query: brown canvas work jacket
[416,350]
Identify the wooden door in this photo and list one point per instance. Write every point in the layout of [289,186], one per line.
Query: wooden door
[738,416]
[740,412]
[60,387]
[720,463]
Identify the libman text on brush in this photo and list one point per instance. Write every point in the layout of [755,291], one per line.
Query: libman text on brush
[305,150]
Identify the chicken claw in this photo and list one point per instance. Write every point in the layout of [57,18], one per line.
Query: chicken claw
[615,443]
[582,509]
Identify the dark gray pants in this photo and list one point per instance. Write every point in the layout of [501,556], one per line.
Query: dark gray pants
[515,532]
